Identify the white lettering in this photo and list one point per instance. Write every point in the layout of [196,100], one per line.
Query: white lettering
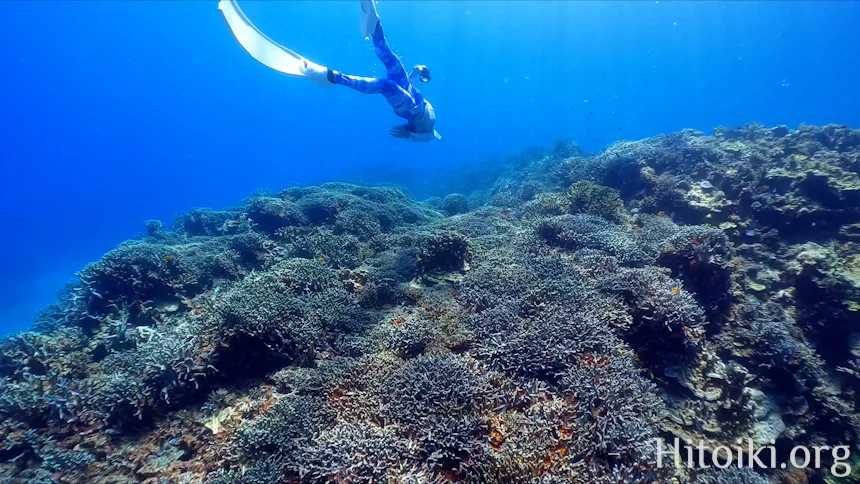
[722,463]
[661,452]
[840,461]
[806,457]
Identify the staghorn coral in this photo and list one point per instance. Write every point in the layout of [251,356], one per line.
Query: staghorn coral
[667,324]
[207,222]
[285,428]
[575,232]
[269,214]
[354,452]
[294,307]
[407,337]
[389,206]
[454,204]
[264,471]
[443,251]
[431,386]
[587,197]
[342,250]
[730,475]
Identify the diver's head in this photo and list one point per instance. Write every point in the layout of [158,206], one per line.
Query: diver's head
[423,73]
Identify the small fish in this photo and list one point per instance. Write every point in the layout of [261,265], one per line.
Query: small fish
[661,213]
[320,259]
[676,290]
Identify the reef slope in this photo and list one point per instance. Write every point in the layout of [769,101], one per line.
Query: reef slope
[548,326]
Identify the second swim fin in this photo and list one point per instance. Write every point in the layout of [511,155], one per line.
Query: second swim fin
[369,18]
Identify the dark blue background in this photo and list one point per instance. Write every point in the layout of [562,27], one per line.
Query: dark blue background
[117,112]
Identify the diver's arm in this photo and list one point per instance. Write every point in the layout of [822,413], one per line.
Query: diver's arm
[402,131]
[422,136]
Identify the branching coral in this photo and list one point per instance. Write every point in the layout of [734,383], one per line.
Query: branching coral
[575,232]
[443,251]
[668,325]
[454,204]
[587,197]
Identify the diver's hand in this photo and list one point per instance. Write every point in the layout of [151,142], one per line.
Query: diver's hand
[400,132]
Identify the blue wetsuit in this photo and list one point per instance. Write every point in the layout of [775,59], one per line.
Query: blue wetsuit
[398,90]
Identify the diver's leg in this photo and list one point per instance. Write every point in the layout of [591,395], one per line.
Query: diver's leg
[397,97]
[394,69]
[365,85]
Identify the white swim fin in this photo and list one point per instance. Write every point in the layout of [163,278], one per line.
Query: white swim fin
[267,51]
[369,18]
[315,72]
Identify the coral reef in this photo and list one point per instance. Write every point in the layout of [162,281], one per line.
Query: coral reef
[552,320]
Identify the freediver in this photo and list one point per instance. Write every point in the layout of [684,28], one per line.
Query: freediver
[398,88]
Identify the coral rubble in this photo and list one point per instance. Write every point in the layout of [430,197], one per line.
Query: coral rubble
[559,323]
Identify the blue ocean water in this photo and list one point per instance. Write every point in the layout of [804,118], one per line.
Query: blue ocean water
[114,112]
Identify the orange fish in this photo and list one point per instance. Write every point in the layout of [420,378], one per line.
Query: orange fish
[320,259]
[661,213]
[676,290]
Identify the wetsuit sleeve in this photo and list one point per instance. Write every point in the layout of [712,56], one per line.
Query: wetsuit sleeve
[422,136]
